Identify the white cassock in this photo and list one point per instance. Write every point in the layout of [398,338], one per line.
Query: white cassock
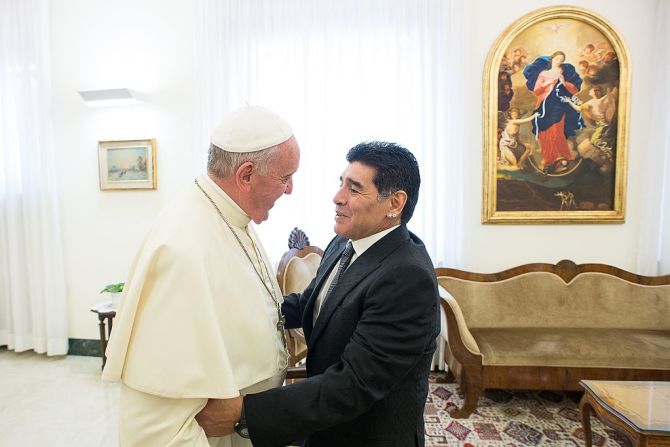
[196,322]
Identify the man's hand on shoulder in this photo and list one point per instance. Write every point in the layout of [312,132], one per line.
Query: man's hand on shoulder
[219,416]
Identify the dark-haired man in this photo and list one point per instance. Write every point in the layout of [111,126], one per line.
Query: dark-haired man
[370,318]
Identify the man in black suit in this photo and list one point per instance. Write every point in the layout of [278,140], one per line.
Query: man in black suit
[370,318]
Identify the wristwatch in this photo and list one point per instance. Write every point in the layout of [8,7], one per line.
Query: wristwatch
[241,426]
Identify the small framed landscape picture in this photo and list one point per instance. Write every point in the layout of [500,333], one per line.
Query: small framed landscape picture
[129,164]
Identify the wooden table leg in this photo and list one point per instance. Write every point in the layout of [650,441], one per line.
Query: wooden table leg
[103,339]
[585,410]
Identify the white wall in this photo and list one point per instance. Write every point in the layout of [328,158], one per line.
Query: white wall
[147,45]
[490,248]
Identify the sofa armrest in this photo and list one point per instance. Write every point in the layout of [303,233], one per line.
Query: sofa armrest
[452,311]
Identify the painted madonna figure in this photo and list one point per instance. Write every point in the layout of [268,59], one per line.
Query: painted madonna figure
[554,83]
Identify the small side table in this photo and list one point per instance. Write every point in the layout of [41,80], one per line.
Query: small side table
[107,312]
[640,410]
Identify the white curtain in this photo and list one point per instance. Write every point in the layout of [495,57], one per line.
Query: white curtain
[654,253]
[33,313]
[342,72]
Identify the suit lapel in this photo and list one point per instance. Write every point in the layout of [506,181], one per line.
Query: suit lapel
[361,268]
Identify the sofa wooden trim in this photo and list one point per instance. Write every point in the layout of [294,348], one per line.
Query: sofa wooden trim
[467,368]
[565,269]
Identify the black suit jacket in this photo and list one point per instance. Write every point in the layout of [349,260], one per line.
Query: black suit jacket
[369,353]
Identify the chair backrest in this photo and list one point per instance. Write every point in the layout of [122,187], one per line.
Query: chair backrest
[298,265]
[296,269]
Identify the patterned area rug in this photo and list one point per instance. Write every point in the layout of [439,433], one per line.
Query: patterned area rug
[511,418]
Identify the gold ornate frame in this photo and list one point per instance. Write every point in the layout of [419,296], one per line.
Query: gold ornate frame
[134,173]
[490,212]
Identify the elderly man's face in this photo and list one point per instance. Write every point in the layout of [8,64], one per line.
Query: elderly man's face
[266,189]
[358,211]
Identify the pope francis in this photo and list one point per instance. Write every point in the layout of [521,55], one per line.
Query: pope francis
[201,316]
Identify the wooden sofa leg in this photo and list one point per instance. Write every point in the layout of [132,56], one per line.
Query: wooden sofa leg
[472,394]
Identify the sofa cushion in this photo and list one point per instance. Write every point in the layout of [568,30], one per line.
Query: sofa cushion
[597,348]
[543,299]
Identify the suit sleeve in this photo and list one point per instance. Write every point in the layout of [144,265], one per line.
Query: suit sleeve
[294,306]
[396,327]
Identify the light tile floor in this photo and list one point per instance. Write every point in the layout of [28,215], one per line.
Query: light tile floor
[55,401]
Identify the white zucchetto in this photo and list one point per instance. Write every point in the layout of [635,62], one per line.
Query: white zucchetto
[250,129]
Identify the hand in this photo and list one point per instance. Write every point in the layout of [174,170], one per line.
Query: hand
[219,416]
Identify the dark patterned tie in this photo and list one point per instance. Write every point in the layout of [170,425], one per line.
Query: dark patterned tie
[347,254]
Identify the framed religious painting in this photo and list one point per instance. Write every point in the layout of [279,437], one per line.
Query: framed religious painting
[129,164]
[556,98]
